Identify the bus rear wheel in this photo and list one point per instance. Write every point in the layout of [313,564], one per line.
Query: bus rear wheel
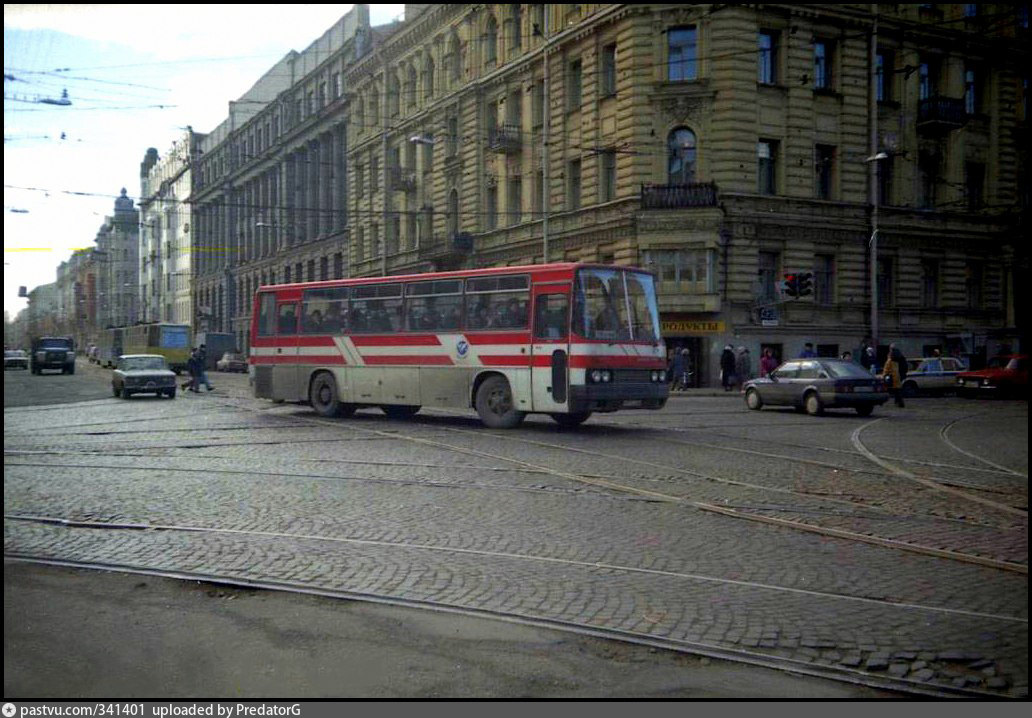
[495,405]
[398,411]
[573,419]
[322,395]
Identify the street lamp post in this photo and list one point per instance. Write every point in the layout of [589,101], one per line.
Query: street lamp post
[873,161]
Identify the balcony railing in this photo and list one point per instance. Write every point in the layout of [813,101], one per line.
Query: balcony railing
[455,247]
[941,114]
[678,196]
[505,139]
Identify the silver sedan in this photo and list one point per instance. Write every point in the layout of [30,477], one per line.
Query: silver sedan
[813,385]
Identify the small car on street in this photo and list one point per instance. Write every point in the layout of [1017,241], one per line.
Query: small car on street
[1005,376]
[143,374]
[231,361]
[813,385]
[931,375]
[15,359]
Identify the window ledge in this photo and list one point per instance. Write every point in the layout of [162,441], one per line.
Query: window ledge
[772,86]
[827,92]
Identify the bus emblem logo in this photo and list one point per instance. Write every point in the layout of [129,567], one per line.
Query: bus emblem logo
[462,347]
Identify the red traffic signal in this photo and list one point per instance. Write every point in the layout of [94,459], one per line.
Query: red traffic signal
[791,285]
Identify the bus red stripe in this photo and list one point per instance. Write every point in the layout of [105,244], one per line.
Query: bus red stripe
[299,341]
[328,359]
[482,338]
[428,360]
[520,360]
[396,340]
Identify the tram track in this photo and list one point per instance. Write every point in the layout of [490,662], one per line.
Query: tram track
[946,440]
[830,672]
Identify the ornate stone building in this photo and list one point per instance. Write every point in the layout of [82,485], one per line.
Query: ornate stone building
[165,233]
[269,190]
[722,146]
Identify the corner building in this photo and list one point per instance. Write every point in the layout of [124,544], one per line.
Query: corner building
[721,146]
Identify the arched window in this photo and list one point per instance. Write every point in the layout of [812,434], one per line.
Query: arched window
[393,95]
[358,119]
[491,40]
[517,28]
[454,60]
[373,118]
[412,90]
[681,156]
[453,213]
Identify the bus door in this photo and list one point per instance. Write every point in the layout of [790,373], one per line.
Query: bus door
[284,365]
[550,351]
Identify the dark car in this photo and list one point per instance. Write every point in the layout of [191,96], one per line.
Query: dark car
[232,361]
[143,374]
[814,385]
[52,353]
[16,359]
[1004,375]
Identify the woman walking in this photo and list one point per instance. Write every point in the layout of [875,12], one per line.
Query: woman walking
[894,371]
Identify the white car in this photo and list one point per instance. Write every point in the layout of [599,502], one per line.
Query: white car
[143,374]
[932,375]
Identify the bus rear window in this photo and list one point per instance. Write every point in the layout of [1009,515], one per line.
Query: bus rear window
[266,314]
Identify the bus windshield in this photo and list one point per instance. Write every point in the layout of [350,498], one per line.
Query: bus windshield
[616,305]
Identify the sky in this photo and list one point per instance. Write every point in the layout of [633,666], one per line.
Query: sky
[136,77]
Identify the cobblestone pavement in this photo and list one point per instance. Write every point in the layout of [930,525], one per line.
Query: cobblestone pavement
[895,545]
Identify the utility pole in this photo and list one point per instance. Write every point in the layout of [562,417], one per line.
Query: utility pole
[546,110]
[873,160]
[386,189]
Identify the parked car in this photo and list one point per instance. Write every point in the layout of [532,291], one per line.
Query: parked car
[814,385]
[143,374]
[931,375]
[15,359]
[231,361]
[1006,375]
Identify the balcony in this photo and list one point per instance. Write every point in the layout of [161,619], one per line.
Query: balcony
[505,140]
[939,115]
[447,253]
[679,196]
[401,179]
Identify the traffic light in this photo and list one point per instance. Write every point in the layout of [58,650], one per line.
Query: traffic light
[791,285]
[805,284]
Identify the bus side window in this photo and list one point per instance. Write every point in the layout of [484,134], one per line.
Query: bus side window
[550,316]
[287,319]
[266,312]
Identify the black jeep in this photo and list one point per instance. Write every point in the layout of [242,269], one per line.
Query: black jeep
[52,353]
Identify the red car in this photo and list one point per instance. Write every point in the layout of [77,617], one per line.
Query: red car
[1004,375]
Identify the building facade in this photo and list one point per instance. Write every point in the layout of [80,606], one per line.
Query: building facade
[165,246]
[117,255]
[269,184]
[720,146]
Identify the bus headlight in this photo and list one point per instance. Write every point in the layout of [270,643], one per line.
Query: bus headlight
[655,376]
[596,376]
[607,376]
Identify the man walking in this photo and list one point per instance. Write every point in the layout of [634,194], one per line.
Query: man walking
[895,371]
[202,369]
[808,352]
[727,368]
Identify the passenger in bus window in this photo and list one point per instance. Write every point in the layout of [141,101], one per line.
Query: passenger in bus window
[359,321]
[334,320]
[480,318]
[314,322]
[288,320]
[515,314]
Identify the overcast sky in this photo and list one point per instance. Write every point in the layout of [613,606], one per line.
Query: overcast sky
[136,76]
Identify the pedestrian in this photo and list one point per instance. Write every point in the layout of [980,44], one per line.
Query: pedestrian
[191,366]
[808,352]
[727,368]
[868,357]
[743,366]
[202,369]
[768,362]
[847,355]
[895,371]
[676,370]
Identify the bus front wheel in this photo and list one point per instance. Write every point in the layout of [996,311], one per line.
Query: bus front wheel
[323,397]
[495,405]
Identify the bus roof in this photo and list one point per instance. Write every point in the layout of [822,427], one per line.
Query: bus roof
[558,267]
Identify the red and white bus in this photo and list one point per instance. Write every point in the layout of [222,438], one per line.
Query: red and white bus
[559,339]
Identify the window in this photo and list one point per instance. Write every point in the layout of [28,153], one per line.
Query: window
[536,199]
[681,53]
[453,136]
[767,275]
[973,284]
[972,91]
[324,268]
[517,30]
[551,313]
[266,312]
[311,270]
[428,79]
[683,266]
[927,80]
[537,104]
[607,87]
[767,157]
[491,41]
[884,75]
[885,170]
[573,86]
[428,154]
[929,283]
[971,10]
[823,279]
[287,319]
[886,282]
[376,308]
[822,65]
[573,184]
[324,311]
[767,68]
[497,302]
[974,184]
[607,176]
[681,156]
[514,202]
[453,213]
[928,172]
[824,169]
[491,210]
[433,306]
[374,174]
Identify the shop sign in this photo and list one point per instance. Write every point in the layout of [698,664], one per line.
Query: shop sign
[692,327]
[769,316]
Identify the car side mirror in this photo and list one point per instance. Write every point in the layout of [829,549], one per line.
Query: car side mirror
[773,377]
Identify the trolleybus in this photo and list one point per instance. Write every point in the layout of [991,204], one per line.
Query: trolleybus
[565,340]
[171,341]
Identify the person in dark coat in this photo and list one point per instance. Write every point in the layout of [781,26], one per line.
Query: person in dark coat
[191,367]
[202,369]
[727,368]
[895,371]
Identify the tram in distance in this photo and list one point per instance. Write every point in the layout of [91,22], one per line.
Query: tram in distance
[565,340]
